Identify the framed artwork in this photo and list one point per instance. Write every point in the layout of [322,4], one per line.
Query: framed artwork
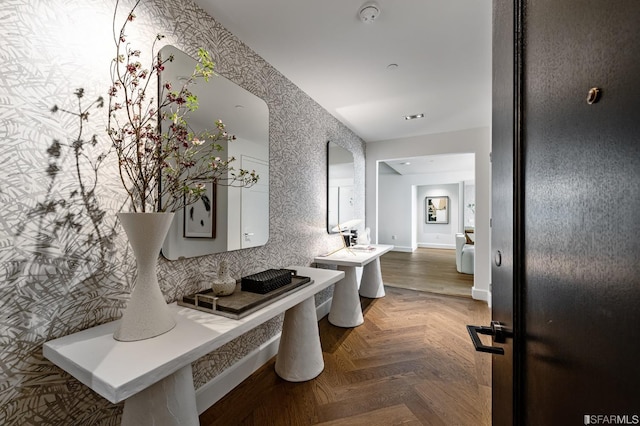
[200,217]
[436,210]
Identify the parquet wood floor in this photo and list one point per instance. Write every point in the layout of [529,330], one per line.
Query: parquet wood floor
[410,363]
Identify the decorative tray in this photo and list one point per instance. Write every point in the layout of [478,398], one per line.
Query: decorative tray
[240,303]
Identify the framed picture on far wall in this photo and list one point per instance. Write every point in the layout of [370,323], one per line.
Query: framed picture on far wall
[200,217]
[436,210]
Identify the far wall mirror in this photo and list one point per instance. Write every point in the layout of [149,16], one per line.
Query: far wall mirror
[241,216]
[340,184]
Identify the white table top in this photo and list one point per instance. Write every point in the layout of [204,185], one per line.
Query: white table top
[117,370]
[349,257]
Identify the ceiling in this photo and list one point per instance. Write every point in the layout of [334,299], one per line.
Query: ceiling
[447,163]
[442,49]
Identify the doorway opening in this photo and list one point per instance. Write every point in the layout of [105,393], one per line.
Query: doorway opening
[425,204]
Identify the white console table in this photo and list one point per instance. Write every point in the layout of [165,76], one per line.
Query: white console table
[154,376]
[345,307]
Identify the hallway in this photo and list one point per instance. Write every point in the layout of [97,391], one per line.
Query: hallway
[410,363]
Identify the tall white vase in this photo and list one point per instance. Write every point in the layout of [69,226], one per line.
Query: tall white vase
[147,314]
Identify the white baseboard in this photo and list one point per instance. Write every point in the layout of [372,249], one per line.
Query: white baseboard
[481,295]
[403,249]
[323,309]
[212,391]
[438,246]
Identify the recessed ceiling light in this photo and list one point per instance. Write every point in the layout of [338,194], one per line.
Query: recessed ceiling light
[392,66]
[406,163]
[413,117]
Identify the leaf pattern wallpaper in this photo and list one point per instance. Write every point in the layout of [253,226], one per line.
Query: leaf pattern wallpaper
[66,264]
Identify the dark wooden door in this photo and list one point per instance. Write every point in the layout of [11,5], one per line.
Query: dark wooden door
[569,282]
[581,168]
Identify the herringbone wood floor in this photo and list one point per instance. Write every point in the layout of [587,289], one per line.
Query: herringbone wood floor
[410,363]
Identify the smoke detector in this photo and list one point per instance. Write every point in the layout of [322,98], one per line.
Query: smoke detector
[369,12]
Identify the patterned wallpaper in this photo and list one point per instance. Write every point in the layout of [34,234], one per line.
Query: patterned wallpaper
[66,264]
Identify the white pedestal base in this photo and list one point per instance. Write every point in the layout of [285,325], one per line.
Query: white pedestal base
[371,285]
[169,402]
[346,310]
[300,354]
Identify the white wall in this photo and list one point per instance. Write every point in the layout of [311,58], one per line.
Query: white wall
[438,235]
[401,210]
[477,141]
[396,212]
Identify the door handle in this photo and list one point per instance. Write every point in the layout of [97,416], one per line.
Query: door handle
[497,330]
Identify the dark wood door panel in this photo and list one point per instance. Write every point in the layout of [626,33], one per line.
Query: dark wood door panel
[582,204]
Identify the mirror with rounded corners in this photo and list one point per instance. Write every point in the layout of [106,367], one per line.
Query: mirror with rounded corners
[340,186]
[237,218]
